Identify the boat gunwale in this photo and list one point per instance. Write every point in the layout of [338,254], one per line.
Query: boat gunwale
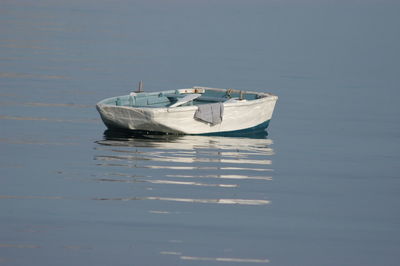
[266,97]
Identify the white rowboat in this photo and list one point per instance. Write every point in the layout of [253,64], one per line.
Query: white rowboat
[197,110]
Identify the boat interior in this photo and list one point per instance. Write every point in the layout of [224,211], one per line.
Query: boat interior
[182,97]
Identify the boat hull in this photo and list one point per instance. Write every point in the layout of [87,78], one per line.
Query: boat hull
[236,117]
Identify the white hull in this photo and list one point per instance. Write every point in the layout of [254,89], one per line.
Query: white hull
[180,120]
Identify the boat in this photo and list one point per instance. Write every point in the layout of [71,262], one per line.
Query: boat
[197,110]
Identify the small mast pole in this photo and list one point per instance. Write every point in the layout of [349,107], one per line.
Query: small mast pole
[140,88]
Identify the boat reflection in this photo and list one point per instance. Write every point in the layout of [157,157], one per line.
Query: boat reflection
[160,167]
[142,139]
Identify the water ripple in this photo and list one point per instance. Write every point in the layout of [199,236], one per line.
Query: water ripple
[189,200]
[4,245]
[217,169]
[25,118]
[30,76]
[242,260]
[218,259]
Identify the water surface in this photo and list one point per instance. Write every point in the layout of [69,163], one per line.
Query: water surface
[320,188]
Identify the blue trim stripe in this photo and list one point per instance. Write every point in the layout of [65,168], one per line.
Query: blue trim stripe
[256,130]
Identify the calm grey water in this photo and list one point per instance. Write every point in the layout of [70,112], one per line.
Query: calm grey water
[323,188]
